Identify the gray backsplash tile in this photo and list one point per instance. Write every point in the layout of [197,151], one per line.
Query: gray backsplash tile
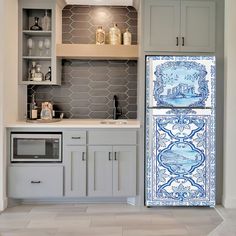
[88,86]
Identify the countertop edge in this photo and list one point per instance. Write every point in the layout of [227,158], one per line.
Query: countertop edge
[132,124]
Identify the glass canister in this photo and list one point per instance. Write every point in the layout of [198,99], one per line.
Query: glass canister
[38,76]
[100,36]
[46,22]
[114,35]
[127,37]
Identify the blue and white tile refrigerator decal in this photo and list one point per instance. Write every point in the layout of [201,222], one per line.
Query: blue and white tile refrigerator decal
[180,131]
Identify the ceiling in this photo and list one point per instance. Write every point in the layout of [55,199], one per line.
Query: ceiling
[101,2]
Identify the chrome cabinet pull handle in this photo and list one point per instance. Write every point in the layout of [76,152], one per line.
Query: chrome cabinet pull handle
[36,182]
[83,156]
[183,41]
[109,156]
[177,41]
[75,137]
[115,153]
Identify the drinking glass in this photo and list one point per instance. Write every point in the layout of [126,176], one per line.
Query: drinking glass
[47,45]
[30,45]
[40,46]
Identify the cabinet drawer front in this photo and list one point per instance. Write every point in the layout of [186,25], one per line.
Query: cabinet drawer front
[74,137]
[112,137]
[35,182]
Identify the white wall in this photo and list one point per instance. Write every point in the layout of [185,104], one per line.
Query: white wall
[1,107]
[229,186]
[8,80]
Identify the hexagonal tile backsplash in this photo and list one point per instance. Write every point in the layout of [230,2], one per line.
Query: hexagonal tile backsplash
[88,86]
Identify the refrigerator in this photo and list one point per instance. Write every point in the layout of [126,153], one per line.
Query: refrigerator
[180,131]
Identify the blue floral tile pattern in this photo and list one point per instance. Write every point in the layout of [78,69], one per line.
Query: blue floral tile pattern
[180,142]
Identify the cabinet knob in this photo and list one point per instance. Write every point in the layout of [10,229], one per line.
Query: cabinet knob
[35,182]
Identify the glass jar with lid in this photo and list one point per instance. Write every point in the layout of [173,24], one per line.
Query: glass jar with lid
[114,35]
[100,36]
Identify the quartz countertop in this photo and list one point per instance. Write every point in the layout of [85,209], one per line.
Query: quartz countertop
[78,123]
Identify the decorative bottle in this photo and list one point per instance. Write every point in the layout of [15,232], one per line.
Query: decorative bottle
[33,109]
[127,37]
[38,74]
[36,25]
[48,74]
[100,36]
[114,35]
[32,71]
[46,22]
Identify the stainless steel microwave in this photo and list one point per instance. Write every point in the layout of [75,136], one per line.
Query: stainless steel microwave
[36,147]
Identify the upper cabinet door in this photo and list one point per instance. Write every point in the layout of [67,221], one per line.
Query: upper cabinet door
[197,26]
[162,25]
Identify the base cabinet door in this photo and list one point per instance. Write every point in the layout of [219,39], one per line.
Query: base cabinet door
[124,171]
[100,171]
[75,171]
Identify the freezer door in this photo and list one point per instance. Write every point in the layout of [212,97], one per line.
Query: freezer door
[180,81]
[180,157]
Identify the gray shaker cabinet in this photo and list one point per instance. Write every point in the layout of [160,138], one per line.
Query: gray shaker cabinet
[179,26]
[75,160]
[26,181]
[124,171]
[75,171]
[112,163]
[99,171]
[112,171]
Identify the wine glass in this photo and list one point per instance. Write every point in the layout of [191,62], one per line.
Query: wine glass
[40,46]
[30,45]
[47,45]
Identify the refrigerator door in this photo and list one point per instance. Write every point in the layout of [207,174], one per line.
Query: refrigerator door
[180,157]
[180,81]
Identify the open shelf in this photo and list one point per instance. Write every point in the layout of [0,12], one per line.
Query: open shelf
[99,52]
[37,33]
[36,58]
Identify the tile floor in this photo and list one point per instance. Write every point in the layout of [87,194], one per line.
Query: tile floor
[115,220]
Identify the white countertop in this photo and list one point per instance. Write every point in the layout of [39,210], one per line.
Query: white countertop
[78,123]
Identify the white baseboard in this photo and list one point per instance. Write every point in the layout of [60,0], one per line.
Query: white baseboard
[81,200]
[229,202]
[3,204]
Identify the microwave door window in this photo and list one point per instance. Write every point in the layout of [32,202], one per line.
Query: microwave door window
[28,148]
[52,149]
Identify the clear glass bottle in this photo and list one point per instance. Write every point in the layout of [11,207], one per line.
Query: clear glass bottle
[100,36]
[48,74]
[36,25]
[32,71]
[46,22]
[114,35]
[38,76]
[127,37]
[33,109]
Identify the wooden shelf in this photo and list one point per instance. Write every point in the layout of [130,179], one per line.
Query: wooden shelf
[99,52]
